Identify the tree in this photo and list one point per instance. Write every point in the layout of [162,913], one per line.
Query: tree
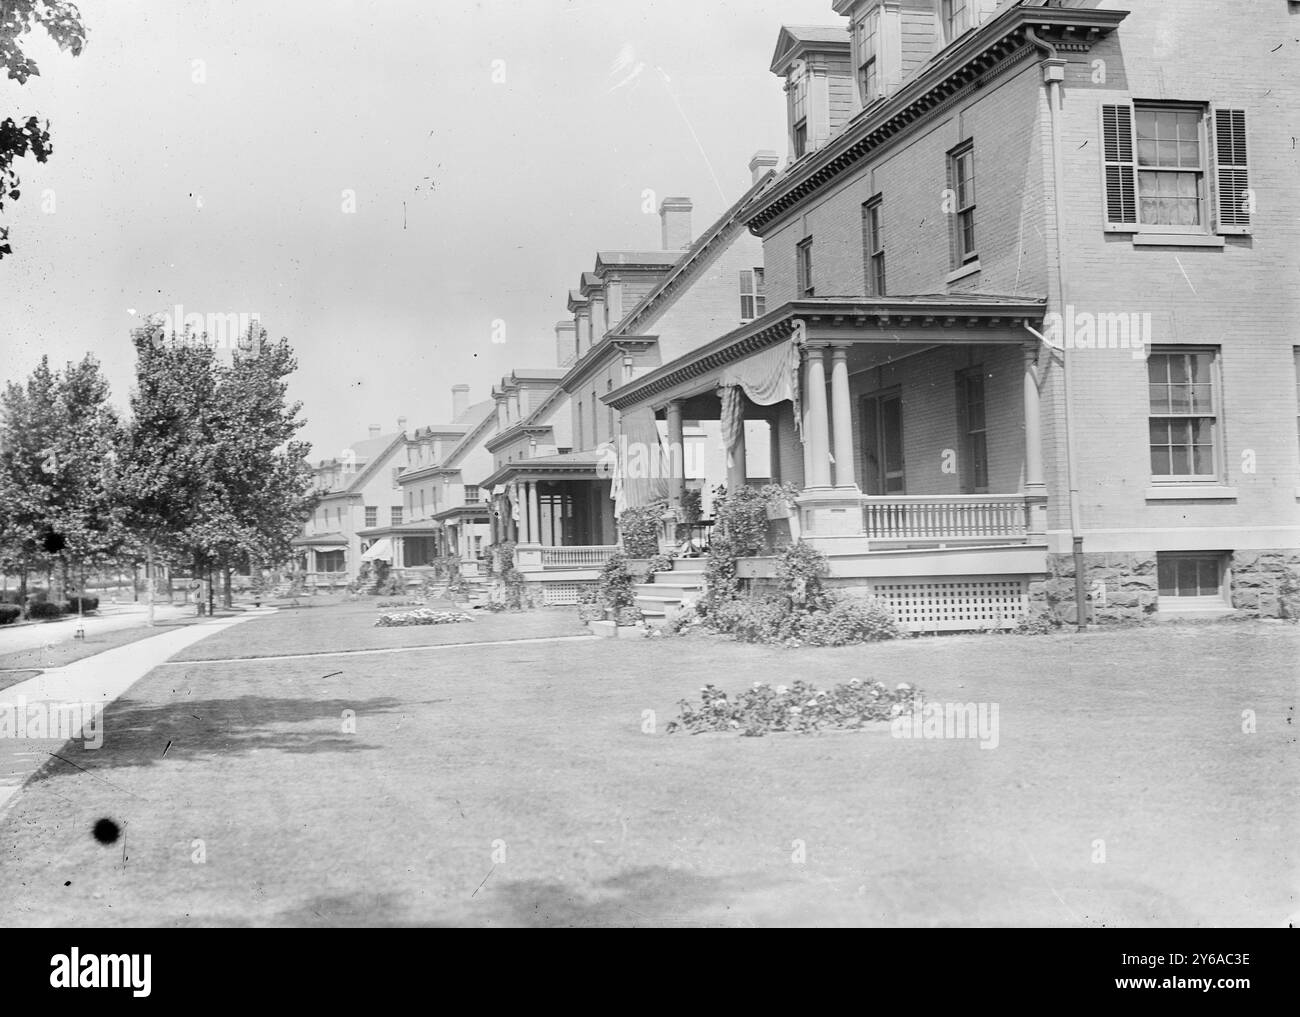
[163,457]
[57,434]
[209,469]
[62,22]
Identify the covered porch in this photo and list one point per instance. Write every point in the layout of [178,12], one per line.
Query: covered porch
[908,424]
[558,512]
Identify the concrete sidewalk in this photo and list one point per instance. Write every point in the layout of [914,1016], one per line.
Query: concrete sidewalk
[109,619]
[91,683]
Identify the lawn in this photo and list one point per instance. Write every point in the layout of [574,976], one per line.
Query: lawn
[516,785]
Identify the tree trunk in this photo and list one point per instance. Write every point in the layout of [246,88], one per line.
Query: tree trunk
[211,595]
[22,587]
[148,568]
[227,600]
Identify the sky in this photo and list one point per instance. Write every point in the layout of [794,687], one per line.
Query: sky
[380,182]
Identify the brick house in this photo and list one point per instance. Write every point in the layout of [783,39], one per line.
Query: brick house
[1014,269]
[438,512]
[634,309]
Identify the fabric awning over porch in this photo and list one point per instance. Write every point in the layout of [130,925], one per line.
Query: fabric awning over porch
[640,475]
[769,377]
[380,550]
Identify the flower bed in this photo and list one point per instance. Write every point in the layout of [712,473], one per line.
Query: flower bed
[400,603]
[801,707]
[423,617]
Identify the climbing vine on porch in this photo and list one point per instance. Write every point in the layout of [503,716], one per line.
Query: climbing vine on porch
[640,529]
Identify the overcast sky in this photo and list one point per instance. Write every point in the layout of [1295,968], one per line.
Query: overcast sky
[202,149]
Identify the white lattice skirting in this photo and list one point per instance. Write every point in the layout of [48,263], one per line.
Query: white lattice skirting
[952,605]
[564,592]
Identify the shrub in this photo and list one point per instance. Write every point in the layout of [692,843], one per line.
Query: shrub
[1038,623]
[43,611]
[615,586]
[390,587]
[640,527]
[846,621]
[629,616]
[742,519]
[801,707]
[82,605]
[660,563]
[692,506]
[720,582]
[422,617]
[679,619]
[10,613]
[800,570]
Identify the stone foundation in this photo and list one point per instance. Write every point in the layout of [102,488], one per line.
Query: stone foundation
[1266,584]
[1124,587]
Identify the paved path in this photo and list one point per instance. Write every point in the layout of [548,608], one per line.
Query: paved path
[110,618]
[97,681]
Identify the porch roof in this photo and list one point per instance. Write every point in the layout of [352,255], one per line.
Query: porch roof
[321,540]
[924,318]
[458,513]
[565,466]
[421,527]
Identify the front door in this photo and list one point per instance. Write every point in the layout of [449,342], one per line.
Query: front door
[882,444]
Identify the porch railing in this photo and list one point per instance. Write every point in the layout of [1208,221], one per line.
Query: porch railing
[580,556]
[970,517]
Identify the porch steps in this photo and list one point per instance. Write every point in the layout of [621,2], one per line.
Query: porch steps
[666,593]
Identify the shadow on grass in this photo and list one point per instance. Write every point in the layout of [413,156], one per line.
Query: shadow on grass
[655,895]
[145,734]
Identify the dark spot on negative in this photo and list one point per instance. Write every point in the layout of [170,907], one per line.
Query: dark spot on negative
[106,831]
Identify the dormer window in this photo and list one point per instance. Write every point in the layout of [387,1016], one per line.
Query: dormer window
[954,18]
[866,55]
[799,109]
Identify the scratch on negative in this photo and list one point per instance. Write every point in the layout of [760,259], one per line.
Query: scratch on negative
[1184,271]
[1045,882]
[485,879]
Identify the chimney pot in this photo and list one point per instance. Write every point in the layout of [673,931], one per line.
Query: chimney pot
[675,216]
[764,160]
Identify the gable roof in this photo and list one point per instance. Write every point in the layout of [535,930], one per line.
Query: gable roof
[794,39]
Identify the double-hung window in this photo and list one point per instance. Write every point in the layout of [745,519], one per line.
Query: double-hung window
[804,266]
[961,177]
[866,44]
[1184,417]
[1175,168]
[873,247]
[753,301]
[799,109]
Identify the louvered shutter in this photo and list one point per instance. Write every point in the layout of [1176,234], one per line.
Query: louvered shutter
[1121,173]
[1231,171]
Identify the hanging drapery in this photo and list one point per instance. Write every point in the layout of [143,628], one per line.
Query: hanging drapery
[514,501]
[641,475]
[766,378]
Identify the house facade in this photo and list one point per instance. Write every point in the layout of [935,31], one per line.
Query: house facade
[441,513]
[1015,353]
[354,492]
[560,499]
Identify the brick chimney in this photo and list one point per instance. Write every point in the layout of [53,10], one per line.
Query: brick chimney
[566,342]
[401,424]
[764,160]
[675,214]
[374,430]
[459,401]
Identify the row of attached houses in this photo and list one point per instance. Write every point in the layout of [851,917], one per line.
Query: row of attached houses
[1014,317]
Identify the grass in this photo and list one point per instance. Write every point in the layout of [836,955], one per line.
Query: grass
[351,626]
[537,752]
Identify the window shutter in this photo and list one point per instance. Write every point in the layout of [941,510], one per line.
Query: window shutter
[1232,176]
[1121,173]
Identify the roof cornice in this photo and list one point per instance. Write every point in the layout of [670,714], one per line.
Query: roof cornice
[977,56]
[846,312]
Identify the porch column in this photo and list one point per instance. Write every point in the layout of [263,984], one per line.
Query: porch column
[842,414]
[534,515]
[736,475]
[819,464]
[1035,486]
[676,455]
